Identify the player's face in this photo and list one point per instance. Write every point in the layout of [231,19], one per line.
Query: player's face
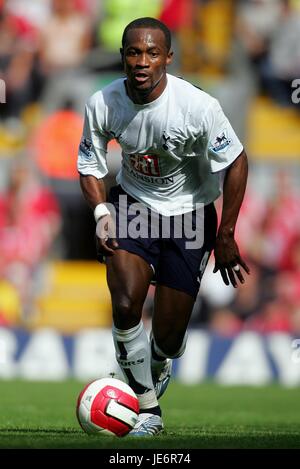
[145,58]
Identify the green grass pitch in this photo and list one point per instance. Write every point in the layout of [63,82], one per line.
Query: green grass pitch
[42,415]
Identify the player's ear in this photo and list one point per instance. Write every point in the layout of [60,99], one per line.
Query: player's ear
[169,57]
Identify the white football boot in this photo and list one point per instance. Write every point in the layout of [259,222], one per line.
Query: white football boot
[162,380]
[147,425]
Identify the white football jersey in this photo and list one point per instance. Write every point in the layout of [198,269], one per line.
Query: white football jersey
[172,148]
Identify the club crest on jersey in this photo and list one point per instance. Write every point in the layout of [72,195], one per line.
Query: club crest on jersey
[166,139]
[221,142]
[86,147]
[145,164]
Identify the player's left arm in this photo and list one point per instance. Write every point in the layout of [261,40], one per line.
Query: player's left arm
[227,256]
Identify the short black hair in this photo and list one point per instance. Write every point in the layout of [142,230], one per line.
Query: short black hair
[151,23]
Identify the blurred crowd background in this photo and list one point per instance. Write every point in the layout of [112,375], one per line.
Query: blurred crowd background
[53,55]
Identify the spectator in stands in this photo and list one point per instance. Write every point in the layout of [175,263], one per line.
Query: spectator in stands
[271,299]
[283,64]
[54,145]
[34,12]
[279,227]
[29,223]
[88,7]
[256,23]
[288,284]
[178,16]
[269,233]
[18,42]
[65,42]
[65,39]
[115,15]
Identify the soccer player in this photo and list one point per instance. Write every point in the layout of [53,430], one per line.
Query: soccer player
[178,152]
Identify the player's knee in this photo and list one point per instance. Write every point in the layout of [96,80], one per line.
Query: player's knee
[126,313]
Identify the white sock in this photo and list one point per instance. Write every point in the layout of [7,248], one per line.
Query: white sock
[159,358]
[157,361]
[134,357]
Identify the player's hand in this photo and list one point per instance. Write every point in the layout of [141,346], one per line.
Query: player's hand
[106,236]
[228,260]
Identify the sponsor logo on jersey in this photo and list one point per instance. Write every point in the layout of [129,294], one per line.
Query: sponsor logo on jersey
[150,179]
[221,142]
[86,147]
[145,164]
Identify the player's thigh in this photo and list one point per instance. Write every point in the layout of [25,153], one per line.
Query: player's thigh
[128,277]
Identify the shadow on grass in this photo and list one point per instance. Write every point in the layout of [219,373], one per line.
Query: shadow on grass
[50,431]
[73,439]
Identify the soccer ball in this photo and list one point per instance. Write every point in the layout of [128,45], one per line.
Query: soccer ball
[107,406]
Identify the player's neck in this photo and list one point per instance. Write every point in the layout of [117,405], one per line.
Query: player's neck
[147,96]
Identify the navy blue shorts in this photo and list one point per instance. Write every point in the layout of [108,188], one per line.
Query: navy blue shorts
[177,247]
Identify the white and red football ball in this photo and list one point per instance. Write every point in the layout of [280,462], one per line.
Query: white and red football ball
[107,406]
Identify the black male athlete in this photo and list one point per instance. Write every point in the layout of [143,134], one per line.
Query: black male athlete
[178,153]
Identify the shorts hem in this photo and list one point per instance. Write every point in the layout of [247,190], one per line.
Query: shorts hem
[178,288]
[152,267]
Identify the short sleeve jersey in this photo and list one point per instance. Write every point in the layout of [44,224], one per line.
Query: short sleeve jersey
[172,148]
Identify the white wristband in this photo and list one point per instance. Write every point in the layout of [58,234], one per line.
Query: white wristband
[100,211]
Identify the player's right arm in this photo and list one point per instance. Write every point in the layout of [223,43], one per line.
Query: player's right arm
[94,193]
[92,168]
